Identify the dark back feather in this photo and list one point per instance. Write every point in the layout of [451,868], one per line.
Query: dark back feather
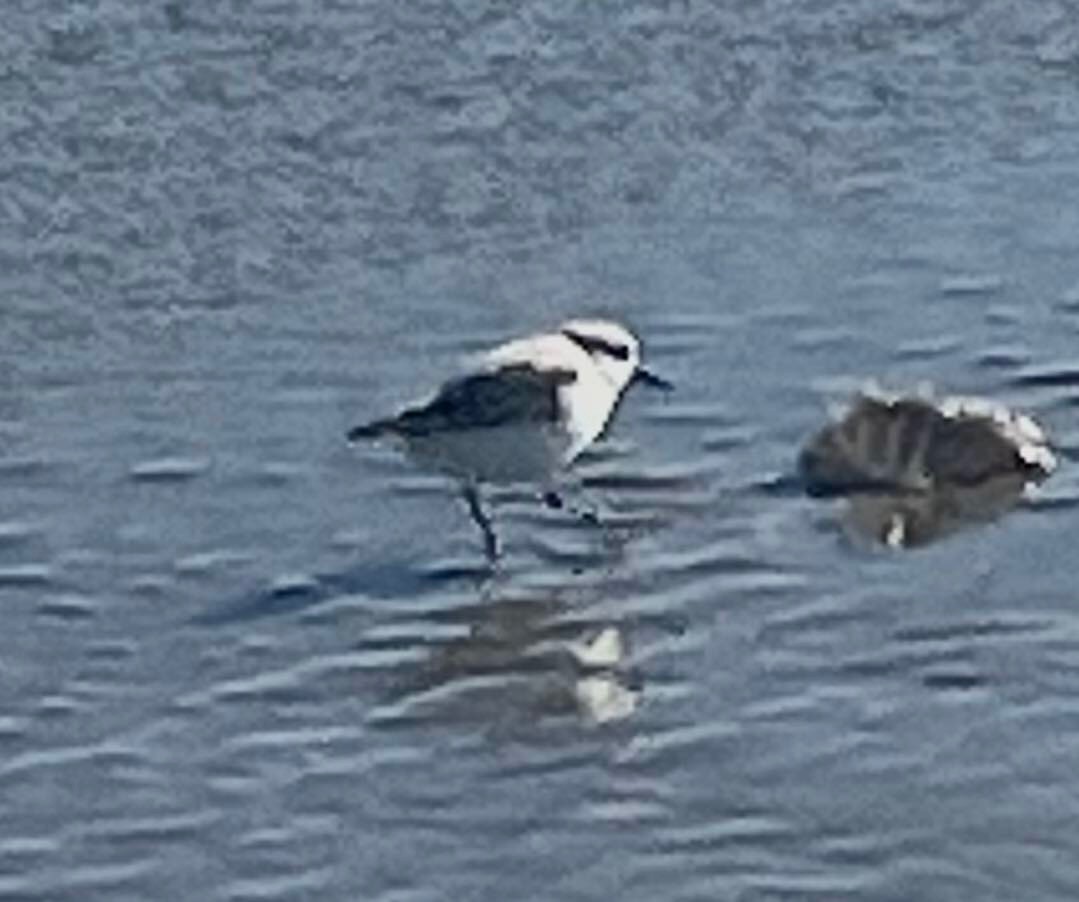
[516,394]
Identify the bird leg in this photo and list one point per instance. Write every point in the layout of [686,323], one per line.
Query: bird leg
[471,494]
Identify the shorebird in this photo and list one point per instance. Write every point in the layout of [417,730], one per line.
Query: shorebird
[523,413]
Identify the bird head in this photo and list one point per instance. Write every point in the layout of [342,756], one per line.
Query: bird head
[614,350]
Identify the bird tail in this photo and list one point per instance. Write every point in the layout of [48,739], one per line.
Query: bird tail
[373,430]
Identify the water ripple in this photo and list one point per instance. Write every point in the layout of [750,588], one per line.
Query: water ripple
[240,662]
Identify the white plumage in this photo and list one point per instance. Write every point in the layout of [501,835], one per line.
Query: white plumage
[523,411]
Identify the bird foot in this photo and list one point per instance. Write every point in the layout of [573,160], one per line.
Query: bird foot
[556,502]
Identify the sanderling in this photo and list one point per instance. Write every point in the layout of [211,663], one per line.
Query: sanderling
[523,412]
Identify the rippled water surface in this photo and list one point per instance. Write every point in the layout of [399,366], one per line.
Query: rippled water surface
[241,660]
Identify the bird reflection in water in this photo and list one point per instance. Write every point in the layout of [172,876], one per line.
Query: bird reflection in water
[913,470]
[515,661]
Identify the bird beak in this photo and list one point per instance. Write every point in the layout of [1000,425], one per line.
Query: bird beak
[649,378]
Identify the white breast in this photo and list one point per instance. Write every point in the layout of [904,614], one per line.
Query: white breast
[586,403]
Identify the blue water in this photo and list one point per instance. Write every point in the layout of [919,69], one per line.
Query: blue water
[242,660]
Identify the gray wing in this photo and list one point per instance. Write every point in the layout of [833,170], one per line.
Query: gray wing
[514,394]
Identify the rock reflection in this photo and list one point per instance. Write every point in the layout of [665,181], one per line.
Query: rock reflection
[913,470]
[514,661]
[913,519]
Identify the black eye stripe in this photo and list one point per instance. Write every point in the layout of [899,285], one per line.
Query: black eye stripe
[592,344]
